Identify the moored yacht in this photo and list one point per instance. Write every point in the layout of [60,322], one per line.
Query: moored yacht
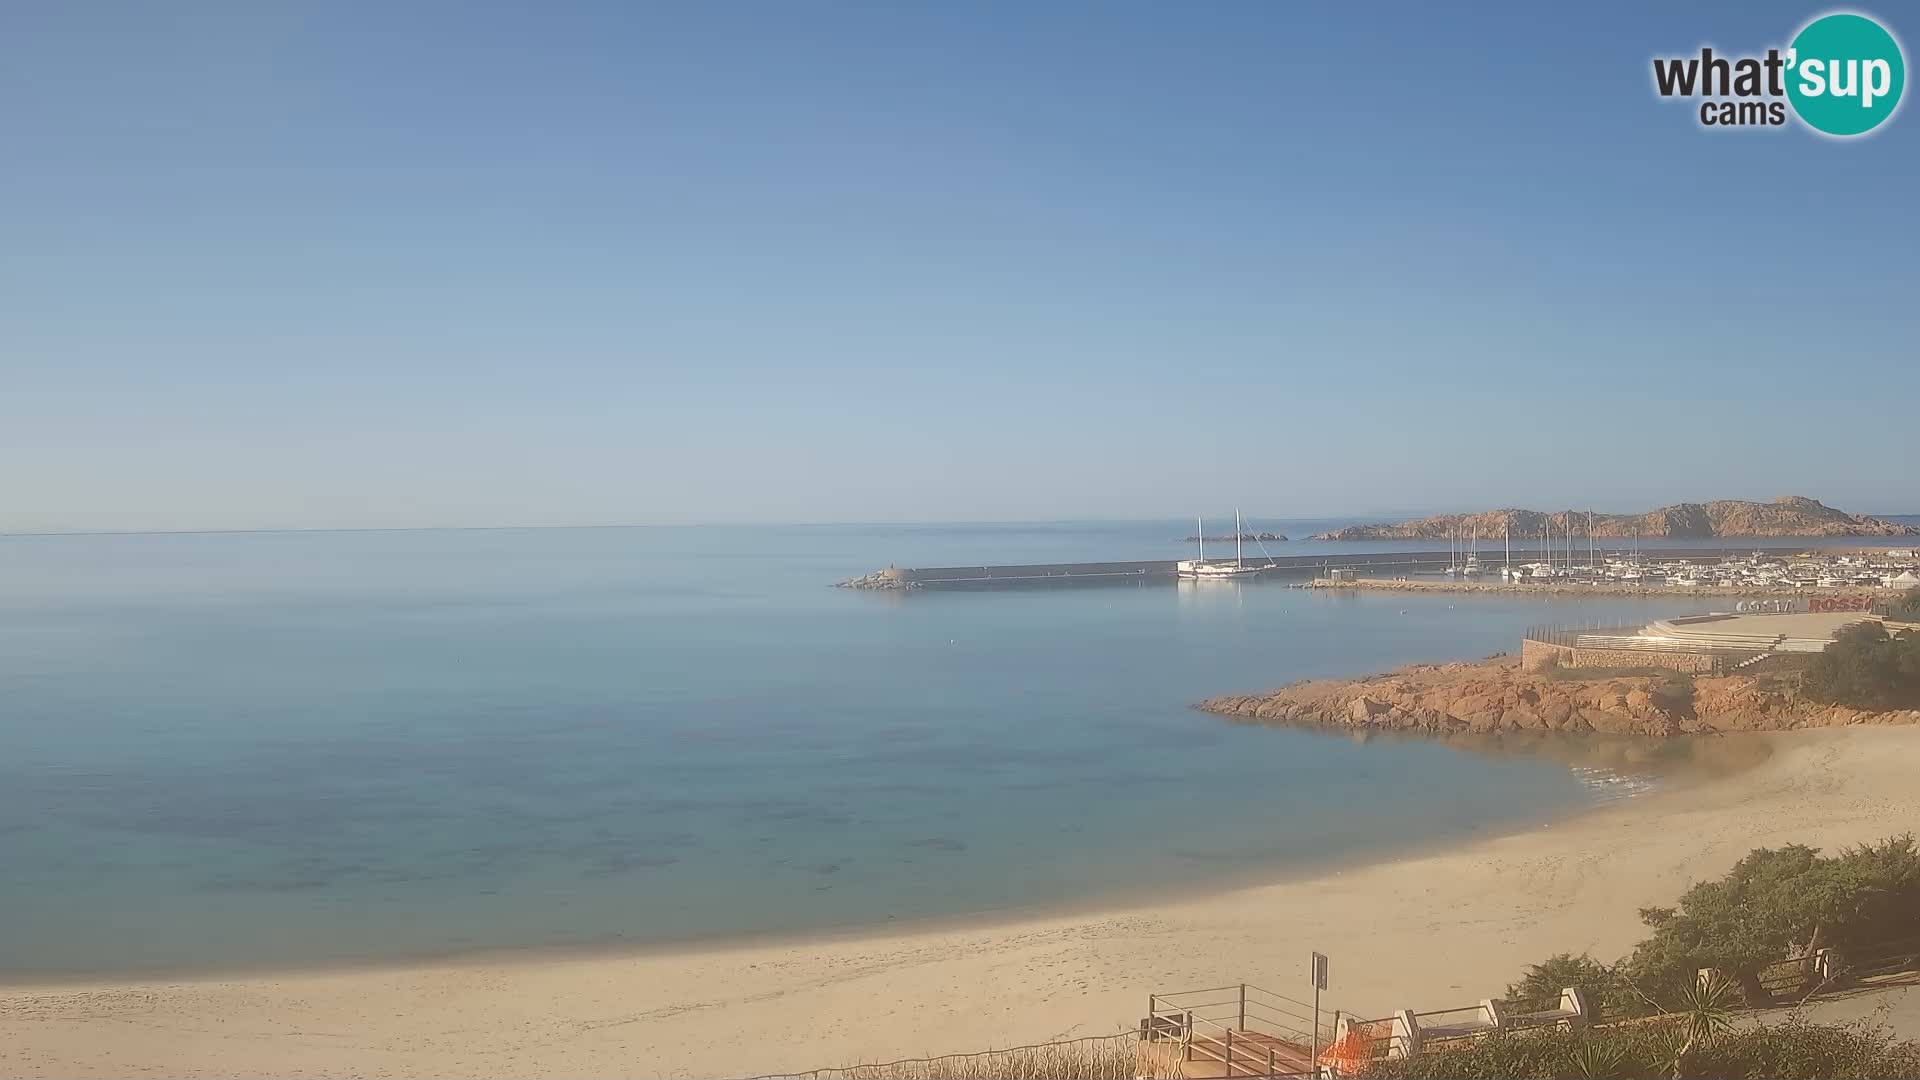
[1200,569]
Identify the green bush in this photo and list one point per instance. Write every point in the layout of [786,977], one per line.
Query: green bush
[1867,668]
[1539,989]
[1797,1050]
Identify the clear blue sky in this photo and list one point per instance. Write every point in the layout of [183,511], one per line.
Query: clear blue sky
[369,264]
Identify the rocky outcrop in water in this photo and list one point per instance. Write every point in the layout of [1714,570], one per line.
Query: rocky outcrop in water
[1790,515]
[1494,697]
[1252,538]
[879,579]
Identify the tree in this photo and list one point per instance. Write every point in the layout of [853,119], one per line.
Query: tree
[1775,905]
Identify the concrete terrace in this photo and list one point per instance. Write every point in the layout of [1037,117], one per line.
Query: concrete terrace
[1781,632]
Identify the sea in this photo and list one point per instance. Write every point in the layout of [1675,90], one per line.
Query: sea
[257,751]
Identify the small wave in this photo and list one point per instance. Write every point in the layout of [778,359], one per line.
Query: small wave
[1610,786]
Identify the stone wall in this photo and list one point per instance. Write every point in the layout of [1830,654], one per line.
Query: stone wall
[1691,663]
[1537,656]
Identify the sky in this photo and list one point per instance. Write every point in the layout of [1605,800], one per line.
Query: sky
[275,265]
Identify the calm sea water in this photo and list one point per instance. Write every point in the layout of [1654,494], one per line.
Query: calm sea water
[222,751]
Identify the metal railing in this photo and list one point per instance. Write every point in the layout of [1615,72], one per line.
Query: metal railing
[1569,636]
[1829,970]
[1723,652]
[1245,1030]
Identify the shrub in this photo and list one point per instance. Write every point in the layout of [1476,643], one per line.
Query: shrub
[1627,1052]
[1867,668]
[1797,1050]
[1101,1058]
[1539,989]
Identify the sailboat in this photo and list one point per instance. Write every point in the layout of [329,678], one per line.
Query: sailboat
[1472,567]
[1200,569]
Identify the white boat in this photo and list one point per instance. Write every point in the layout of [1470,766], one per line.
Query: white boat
[1200,569]
[1472,567]
[1217,571]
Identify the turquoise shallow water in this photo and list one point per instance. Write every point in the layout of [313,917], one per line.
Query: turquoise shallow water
[251,750]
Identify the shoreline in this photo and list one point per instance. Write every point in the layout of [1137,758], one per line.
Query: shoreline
[1603,588]
[1507,900]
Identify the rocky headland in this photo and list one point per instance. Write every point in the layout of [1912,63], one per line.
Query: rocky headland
[1789,515]
[1493,697]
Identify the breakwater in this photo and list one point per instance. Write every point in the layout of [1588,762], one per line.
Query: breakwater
[1030,575]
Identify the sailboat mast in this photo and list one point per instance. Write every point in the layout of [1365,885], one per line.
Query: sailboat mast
[1200,534]
[1237,530]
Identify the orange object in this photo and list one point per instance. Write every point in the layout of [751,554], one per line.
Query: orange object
[1349,1053]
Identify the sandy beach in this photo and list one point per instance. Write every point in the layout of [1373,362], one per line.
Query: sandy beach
[1425,931]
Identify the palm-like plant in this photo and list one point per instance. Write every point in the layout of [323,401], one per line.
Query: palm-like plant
[1597,1060]
[1706,1009]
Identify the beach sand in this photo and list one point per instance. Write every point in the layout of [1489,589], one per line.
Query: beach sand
[1426,931]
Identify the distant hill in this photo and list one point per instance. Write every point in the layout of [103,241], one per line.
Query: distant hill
[1789,515]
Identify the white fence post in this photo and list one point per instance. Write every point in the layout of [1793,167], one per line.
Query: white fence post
[1406,1035]
[1573,1002]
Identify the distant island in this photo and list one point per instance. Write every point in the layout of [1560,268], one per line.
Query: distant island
[1789,515]
[1246,537]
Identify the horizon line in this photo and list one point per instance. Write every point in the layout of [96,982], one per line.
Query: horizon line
[268,531]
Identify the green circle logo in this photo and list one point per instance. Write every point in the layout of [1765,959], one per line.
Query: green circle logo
[1845,74]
